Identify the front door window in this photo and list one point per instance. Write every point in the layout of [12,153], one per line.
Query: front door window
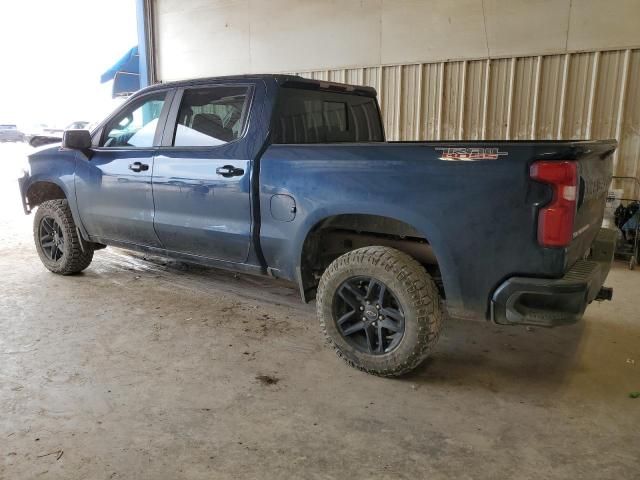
[136,125]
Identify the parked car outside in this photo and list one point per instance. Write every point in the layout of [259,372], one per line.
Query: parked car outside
[10,133]
[54,135]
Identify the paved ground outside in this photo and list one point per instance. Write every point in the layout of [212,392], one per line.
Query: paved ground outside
[146,369]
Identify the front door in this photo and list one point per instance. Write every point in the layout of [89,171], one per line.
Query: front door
[113,187]
[202,176]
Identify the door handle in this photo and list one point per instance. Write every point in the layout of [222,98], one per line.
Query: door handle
[229,171]
[139,167]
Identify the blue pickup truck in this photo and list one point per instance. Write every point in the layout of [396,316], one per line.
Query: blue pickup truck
[293,178]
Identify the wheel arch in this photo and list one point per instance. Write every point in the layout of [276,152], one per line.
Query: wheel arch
[349,231]
[42,189]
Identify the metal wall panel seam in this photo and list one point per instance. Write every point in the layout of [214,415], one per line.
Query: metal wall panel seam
[463,88]
[512,76]
[536,93]
[440,100]
[624,80]
[380,87]
[485,101]
[398,105]
[418,114]
[592,93]
[563,96]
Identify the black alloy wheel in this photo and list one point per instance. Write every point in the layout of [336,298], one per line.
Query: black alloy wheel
[57,239]
[368,315]
[51,238]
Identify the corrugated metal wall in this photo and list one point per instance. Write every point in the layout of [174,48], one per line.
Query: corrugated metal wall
[568,96]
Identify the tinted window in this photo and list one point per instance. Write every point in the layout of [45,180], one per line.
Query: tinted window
[211,116]
[312,116]
[136,125]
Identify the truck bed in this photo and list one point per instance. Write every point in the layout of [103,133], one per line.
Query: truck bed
[474,202]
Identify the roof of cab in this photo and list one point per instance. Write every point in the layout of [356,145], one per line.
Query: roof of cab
[280,79]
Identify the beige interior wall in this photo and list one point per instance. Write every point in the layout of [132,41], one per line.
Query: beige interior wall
[219,37]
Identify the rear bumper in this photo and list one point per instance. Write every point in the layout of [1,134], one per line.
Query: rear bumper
[559,301]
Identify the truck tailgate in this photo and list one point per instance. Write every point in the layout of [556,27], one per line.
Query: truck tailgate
[595,165]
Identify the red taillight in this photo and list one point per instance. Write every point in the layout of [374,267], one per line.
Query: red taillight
[555,220]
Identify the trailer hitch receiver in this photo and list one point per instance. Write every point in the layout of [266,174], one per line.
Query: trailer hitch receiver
[605,293]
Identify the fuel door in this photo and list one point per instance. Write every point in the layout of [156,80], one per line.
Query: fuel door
[283,207]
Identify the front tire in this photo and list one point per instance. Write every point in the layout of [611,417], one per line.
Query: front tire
[57,241]
[380,310]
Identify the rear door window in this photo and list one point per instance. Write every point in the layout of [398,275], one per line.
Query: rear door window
[211,116]
[316,116]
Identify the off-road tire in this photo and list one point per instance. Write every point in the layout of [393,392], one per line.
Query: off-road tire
[412,286]
[74,258]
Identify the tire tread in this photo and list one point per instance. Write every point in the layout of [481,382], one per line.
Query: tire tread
[417,283]
[78,258]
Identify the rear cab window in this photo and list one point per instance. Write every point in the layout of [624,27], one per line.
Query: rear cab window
[306,115]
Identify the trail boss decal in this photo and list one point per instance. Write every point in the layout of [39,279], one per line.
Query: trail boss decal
[469,154]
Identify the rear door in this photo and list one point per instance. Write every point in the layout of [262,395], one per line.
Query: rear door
[113,187]
[202,173]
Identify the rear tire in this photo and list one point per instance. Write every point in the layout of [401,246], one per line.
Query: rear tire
[379,280]
[57,241]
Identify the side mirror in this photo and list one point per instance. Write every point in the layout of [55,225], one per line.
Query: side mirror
[77,140]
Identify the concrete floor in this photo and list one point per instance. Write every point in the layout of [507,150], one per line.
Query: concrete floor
[140,369]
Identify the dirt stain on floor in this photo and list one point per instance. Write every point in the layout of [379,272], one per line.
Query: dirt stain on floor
[267,379]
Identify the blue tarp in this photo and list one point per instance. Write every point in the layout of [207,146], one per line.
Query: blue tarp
[125,74]
[633,223]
